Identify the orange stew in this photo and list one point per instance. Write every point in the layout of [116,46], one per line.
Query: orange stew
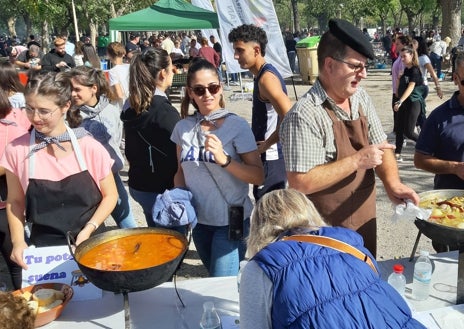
[134,252]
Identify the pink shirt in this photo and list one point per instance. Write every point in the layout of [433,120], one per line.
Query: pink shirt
[48,167]
[9,133]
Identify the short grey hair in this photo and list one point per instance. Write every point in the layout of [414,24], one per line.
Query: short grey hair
[279,211]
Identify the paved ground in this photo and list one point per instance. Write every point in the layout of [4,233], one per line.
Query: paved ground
[395,239]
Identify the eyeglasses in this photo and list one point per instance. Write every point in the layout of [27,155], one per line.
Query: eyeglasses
[42,113]
[201,90]
[357,68]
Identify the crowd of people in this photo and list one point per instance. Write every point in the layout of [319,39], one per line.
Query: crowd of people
[312,164]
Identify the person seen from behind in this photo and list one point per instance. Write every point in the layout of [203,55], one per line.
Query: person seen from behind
[293,283]
[148,125]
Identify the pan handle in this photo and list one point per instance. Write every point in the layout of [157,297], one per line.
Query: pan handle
[71,242]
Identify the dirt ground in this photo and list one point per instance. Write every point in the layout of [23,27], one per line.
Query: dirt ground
[395,238]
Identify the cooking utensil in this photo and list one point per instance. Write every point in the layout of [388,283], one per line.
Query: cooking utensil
[443,234]
[125,281]
[43,318]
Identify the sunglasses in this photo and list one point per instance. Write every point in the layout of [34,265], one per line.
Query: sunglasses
[201,90]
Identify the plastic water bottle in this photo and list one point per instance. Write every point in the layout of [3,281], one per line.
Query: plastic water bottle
[210,318]
[239,275]
[422,276]
[397,279]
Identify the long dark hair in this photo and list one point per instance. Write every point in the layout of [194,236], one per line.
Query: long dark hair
[198,64]
[144,70]
[88,77]
[5,105]
[90,55]
[9,79]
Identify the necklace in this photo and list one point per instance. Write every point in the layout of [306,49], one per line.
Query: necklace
[261,67]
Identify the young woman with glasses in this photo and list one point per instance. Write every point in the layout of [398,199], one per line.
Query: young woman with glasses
[59,179]
[148,124]
[218,159]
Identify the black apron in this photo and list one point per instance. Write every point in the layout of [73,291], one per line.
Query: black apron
[56,207]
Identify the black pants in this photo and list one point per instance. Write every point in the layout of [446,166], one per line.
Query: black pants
[406,123]
[6,248]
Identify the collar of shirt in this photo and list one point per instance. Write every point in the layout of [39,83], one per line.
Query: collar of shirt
[320,96]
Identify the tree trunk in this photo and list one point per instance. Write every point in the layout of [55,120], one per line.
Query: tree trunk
[11,26]
[45,38]
[93,32]
[451,20]
[296,16]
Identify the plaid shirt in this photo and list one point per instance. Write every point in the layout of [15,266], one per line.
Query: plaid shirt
[306,131]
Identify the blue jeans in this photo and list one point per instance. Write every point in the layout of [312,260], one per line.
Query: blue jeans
[146,200]
[220,255]
[122,213]
[436,62]
[275,178]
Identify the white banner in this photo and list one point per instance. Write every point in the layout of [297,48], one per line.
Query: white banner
[206,4]
[260,13]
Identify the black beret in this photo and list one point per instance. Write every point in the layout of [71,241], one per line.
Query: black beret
[351,36]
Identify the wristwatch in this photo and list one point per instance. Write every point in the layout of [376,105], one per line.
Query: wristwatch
[228,161]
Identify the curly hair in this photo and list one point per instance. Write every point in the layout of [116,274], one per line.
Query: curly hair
[247,33]
[279,211]
[15,313]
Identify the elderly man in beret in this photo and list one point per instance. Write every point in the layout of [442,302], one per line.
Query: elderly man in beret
[333,141]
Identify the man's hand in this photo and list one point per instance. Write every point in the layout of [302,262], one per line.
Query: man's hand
[262,146]
[371,156]
[399,193]
[459,170]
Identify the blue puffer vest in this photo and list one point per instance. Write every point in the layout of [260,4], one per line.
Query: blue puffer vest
[318,287]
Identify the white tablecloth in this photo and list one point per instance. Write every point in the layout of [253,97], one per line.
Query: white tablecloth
[155,308]
[444,280]
[439,311]
[160,308]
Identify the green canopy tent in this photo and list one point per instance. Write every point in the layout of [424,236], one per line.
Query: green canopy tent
[165,15]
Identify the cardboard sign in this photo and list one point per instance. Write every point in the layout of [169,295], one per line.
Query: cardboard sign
[56,264]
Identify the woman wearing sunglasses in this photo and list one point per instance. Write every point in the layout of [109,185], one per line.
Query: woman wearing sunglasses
[411,101]
[218,158]
[148,124]
[59,178]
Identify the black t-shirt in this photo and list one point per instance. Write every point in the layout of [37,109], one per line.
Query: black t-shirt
[130,47]
[412,74]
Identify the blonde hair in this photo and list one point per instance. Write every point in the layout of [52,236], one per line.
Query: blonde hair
[279,211]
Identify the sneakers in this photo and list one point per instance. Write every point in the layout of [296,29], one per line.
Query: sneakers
[234,83]
[398,157]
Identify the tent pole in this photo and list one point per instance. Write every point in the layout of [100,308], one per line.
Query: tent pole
[294,88]
[75,20]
